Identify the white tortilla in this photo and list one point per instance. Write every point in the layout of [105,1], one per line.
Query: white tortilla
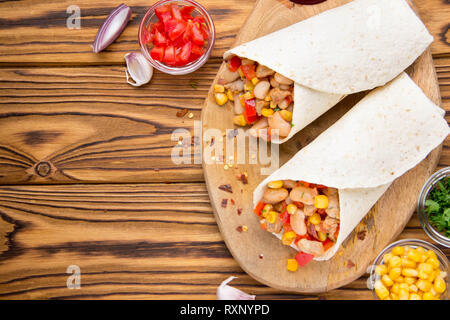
[386,134]
[355,47]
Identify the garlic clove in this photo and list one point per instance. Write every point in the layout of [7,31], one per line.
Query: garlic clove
[138,68]
[225,292]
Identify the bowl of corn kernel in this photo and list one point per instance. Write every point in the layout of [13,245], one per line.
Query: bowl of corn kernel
[410,269]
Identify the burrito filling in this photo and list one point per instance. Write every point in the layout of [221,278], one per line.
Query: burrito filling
[305,215]
[262,98]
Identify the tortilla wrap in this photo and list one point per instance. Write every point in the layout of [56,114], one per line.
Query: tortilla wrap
[386,134]
[355,47]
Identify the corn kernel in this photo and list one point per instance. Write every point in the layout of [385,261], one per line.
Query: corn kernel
[431,254]
[442,274]
[395,288]
[268,98]
[422,275]
[248,86]
[395,262]
[387,257]
[395,273]
[286,115]
[403,294]
[414,296]
[239,120]
[218,88]
[430,277]
[413,288]
[434,262]
[381,270]
[292,265]
[393,296]
[406,263]
[267,112]
[420,249]
[221,98]
[439,285]
[381,291]
[398,251]
[387,281]
[322,236]
[403,286]
[248,95]
[424,285]
[315,219]
[321,201]
[271,216]
[409,280]
[414,255]
[230,95]
[273,105]
[410,272]
[291,208]
[267,208]
[255,81]
[288,237]
[275,184]
[428,296]
[400,279]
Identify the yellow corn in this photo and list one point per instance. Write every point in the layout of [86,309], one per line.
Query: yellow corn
[230,95]
[439,285]
[271,216]
[395,288]
[403,286]
[255,81]
[424,285]
[420,249]
[413,288]
[241,74]
[315,219]
[395,273]
[403,294]
[410,272]
[267,208]
[221,98]
[273,105]
[387,257]
[322,236]
[268,98]
[321,201]
[242,100]
[398,251]
[434,262]
[267,112]
[422,275]
[414,255]
[430,277]
[387,281]
[381,270]
[381,291]
[409,280]
[239,120]
[414,296]
[286,115]
[400,279]
[395,262]
[218,88]
[393,296]
[428,296]
[275,184]
[248,86]
[431,254]
[291,208]
[292,265]
[248,95]
[288,238]
[425,267]
[406,263]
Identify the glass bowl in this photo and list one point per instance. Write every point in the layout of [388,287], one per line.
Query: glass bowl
[150,18]
[413,243]
[427,226]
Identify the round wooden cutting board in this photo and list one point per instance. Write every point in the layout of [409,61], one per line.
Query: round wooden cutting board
[258,252]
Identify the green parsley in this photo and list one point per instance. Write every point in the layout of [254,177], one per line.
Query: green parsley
[437,206]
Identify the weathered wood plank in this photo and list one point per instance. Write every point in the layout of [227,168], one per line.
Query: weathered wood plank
[147,241]
[40,36]
[66,115]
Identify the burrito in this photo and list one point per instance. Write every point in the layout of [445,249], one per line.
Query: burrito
[287,79]
[315,200]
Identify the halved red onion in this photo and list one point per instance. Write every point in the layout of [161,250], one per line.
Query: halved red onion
[112,27]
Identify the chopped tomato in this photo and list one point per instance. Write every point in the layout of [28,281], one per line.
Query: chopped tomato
[327,244]
[185,53]
[199,19]
[147,36]
[250,113]
[157,53]
[159,39]
[176,12]
[249,71]
[285,217]
[163,13]
[169,56]
[197,36]
[174,28]
[303,258]
[197,52]
[187,11]
[259,208]
[234,63]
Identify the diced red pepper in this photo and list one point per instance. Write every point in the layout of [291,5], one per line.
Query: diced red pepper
[234,63]
[249,71]
[285,217]
[250,114]
[327,244]
[259,208]
[303,258]
[157,53]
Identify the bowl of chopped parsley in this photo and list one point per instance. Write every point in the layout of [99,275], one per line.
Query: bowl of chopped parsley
[433,207]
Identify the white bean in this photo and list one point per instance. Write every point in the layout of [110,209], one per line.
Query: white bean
[277,122]
[229,76]
[261,89]
[273,196]
[282,79]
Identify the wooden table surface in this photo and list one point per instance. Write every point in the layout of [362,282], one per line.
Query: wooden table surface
[86,176]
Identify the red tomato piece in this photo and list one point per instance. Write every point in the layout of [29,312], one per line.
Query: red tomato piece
[259,208]
[147,36]
[249,71]
[234,63]
[197,52]
[184,54]
[199,19]
[157,53]
[163,13]
[303,258]
[250,113]
[176,12]
[169,56]
[174,28]
[186,12]
[159,39]
[285,217]
[197,36]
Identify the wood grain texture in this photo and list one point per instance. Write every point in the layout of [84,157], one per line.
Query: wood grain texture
[354,255]
[146,241]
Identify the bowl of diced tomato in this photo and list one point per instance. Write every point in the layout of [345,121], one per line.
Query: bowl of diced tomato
[177,36]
